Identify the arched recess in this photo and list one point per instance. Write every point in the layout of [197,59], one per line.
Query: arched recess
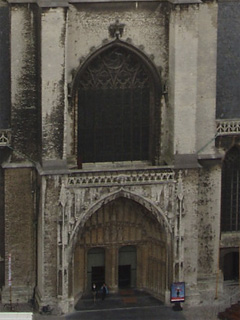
[121,223]
[116,100]
[230,208]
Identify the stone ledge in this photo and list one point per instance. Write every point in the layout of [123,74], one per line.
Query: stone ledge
[186,161]
[16,315]
[65,3]
[43,3]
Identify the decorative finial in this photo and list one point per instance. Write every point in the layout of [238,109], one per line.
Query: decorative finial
[116,29]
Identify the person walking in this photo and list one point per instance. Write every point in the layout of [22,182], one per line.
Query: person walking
[94,292]
[104,290]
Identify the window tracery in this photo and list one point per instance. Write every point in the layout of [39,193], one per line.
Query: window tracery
[116,117]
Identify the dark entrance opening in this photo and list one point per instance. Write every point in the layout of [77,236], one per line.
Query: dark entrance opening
[124,276]
[98,276]
[96,267]
[127,267]
[231,266]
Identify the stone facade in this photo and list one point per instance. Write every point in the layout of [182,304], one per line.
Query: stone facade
[166,209]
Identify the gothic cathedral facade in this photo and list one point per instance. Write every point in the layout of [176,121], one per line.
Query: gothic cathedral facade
[119,148]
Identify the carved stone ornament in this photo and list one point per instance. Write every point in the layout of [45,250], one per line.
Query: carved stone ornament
[116,29]
[5,137]
[228,126]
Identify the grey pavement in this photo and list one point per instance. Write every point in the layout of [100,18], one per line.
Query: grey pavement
[137,306]
[139,313]
[128,304]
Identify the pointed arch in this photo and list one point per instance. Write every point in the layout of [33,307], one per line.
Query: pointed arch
[230,207]
[150,206]
[123,220]
[116,95]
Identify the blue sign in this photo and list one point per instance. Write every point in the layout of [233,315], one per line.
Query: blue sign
[178,292]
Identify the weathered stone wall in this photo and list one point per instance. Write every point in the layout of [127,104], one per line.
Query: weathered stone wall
[206,78]
[4,66]
[145,26]
[183,70]
[190,226]
[67,38]
[2,233]
[47,239]
[20,238]
[209,210]
[192,76]
[209,214]
[52,81]
[23,81]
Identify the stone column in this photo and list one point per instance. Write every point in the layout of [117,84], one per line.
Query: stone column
[190,235]
[111,268]
[23,80]
[53,89]
[20,236]
[183,67]
[209,211]
[206,95]
[144,266]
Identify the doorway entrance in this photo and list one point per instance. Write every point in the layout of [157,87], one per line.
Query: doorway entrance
[127,267]
[96,267]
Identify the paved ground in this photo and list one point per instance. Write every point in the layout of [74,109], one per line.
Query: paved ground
[128,306]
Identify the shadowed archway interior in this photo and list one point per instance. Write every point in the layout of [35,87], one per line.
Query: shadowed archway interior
[130,236]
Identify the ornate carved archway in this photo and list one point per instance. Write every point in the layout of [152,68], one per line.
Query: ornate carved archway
[120,221]
[84,195]
[122,193]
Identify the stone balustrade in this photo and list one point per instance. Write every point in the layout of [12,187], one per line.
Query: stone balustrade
[228,127]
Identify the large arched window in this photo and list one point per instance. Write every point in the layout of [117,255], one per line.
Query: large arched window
[116,107]
[230,217]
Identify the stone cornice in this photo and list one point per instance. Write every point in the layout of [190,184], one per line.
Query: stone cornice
[66,3]
[43,3]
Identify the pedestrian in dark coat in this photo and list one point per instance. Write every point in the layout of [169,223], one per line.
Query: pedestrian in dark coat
[104,290]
